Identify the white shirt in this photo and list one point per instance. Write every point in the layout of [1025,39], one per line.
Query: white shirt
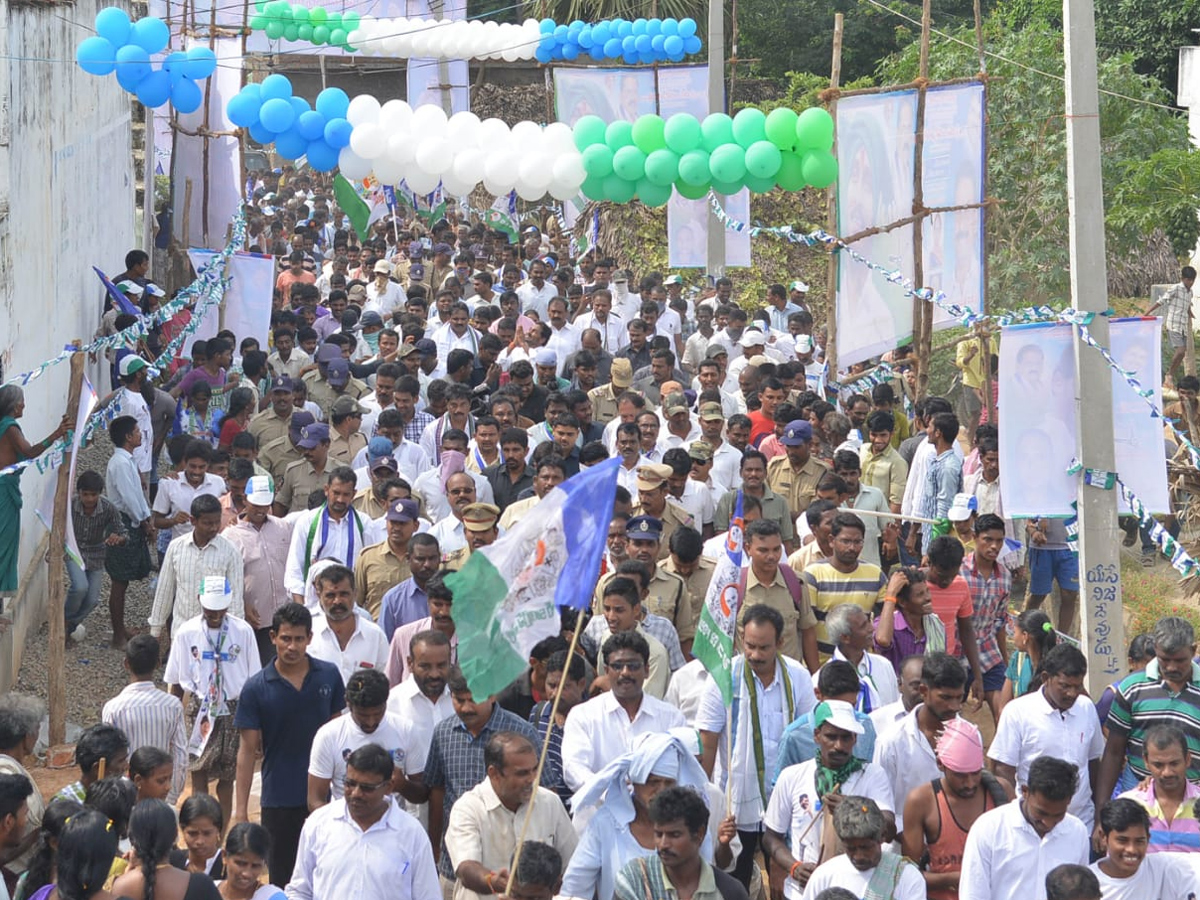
[537,299]
[907,758]
[726,472]
[411,461]
[336,858]
[840,872]
[383,302]
[338,738]
[366,649]
[564,341]
[131,403]
[123,486]
[429,487]
[695,350]
[1004,858]
[1030,727]
[1161,876]
[698,501]
[450,534]
[184,566]
[152,718]
[600,730]
[877,674]
[794,807]
[335,546]
[871,499]
[175,495]
[613,334]
[421,713]
[191,661]
[668,441]
[686,690]
[447,340]
[887,717]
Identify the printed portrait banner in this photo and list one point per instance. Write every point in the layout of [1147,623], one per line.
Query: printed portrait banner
[1037,400]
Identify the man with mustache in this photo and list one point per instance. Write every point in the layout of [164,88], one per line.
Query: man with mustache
[344,633]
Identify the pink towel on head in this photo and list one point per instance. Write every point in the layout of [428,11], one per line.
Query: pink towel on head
[452,463]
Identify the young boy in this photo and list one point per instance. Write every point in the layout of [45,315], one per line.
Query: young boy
[1126,872]
[102,751]
[97,526]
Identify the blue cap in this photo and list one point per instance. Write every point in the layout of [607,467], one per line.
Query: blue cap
[338,373]
[797,432]
[328,353]
[644,528]
[379,448]
[300,420]
[282,383]
[312,435]
[426,347]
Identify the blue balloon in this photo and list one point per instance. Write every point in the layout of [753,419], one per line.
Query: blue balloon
[597,51]
[687,27]
[631,58]
[542,55]
[573,30]
[570,51]
[548,43]
[112,24]
[653,27]
[560,33]
[670,27]
[277,86]
[332,103]
[321,156]
[174,63]
[673,45]
[152,35]
[639,27]
[186,96]
[96,56]
[629,45]
[643,43]
[133,64]
[300,105]
[201,62]
[585,39]
[155,89]
[625,29]
[337,133]
[691,44]
[645,58]
[612,48]
[601,32]
[657,42]
[546,26]
[260,135]
[277,115]
[311,125]
[290,145]
[242,108]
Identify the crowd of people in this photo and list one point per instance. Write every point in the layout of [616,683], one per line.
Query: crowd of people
[300,503]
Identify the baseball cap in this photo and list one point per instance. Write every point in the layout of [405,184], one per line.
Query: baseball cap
[442,248]
[674,404]
[426,347]
[356,293]
[404,350]
[402,510]
[837,713]
[652,475]
[701,451]
[154,290]
[378,448]
[131,364]
[711,411]
[751,338]
[643,528]
[346,405]
[215,593]
[282,383]
[715,350]
[803,343]
[480,516]
[328,353]
[415,250]
[622,373]
[383,267]
[798,286]
[338,373]
[961,507]
[381,463]
[260,490]
[130,287]
[300,420]
[796,433]
[312,435]
[672,279]
[370,318]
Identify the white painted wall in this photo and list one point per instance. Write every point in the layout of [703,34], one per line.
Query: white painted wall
[1189,98]
[66,203]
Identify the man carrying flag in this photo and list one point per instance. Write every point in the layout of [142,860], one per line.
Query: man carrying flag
[751,697]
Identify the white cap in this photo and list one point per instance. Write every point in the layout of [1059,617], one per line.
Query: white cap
[260,490]
[804,343]
[131,364]
[752,338]
[215,593]
[799,286]
[154,290]
[546,357]
[130,287]
[961,507]
[837,713]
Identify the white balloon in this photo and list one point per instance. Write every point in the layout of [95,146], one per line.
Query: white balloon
[563,192]
[508,54]
[462,129]
[428,120]
[368,140]
[363,108]
[492,134]
[400,149]
[394,116]
[558,137]
[568,169]
[469,164]
[527,136]
[535,172]
[421,182]
[502,168]
[456,188]
[387,171]
[529,192]
[353,166]
[355,38]
[496,188]
[434,155]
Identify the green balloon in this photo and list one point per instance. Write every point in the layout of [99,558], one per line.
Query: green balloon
[350,20]
[629,163]
[727,163]
[305,31]
[334,21]
[716,129]
[652,194]
[814,130]
[790,176]
[320,34]
[682,133]
[274,29]
[758,185]
[618,134]
[597,161]
[763,159]
[648,133]
[749,126]
[662,168]
[726,188]
[299,14]
[593,188]
[781,128]
[337,37]
[589,130]
[618,190]
[258,23]
[693,168]
[284,12]
[291,33]
[820,168]
[317,15]
[691,191]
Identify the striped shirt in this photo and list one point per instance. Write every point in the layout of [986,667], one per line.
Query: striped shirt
[183,567]
[91,531]
[152,718]
[827,587]
[540,717]
[1143,700]
[1182,833]
[989,596]
[414,429]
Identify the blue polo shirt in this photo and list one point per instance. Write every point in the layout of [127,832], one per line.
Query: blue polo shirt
[288,720]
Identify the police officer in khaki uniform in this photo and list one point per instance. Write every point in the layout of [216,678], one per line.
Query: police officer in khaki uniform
[272,423]
[686,560]
[309,474]
[667,595]
[604,398]
[346,415]
[480,526]
[794,476]
[324,387]
[652,501]
[275,456]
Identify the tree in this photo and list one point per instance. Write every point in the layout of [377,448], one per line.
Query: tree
[564,11]
[1027,234]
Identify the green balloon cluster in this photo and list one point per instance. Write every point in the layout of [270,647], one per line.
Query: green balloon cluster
[292,22]
[758,151]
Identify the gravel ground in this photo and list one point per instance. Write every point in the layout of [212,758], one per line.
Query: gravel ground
[94,669]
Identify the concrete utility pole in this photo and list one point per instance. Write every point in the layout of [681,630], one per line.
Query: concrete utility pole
[1102,630]
[716,104]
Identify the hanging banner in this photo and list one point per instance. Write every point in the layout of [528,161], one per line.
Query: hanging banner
[247,301]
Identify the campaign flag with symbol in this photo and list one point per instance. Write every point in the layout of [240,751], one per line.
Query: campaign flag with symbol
[507,595]
[713,644]
[502,215]
[118,298]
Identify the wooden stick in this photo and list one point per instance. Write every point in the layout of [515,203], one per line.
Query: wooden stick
[922,312]
[892,515]
[537,777]
[912,85]
[57,685]
[831,216]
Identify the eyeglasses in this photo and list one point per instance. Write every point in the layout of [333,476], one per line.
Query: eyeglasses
[632,665]
[351,785]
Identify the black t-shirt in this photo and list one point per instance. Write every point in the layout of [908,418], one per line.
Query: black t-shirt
[179,859]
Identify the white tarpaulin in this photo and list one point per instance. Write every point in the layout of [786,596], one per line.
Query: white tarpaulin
[247,301]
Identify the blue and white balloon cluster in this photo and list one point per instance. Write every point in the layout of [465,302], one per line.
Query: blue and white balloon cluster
[125,47]
[640,41]
[273,116]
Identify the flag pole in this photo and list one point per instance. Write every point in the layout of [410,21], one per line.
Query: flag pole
[537,776]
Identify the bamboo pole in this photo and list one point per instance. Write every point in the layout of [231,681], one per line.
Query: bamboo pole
[922,313]
[56,561]
[831,216]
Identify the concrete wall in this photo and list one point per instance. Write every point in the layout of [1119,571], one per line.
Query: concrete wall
[1188,97]
[66,203]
